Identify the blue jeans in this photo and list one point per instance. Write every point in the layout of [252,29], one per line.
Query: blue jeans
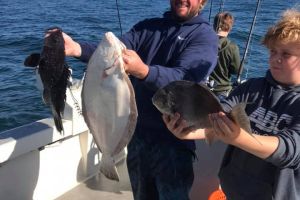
[159,172]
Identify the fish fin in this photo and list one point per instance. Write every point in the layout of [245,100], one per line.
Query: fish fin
[122,45]
[132,120]
[46,96]
[68,71]
[239,116]
[32,60]
[57,120]
[58,99]
[108,168]
[110,70]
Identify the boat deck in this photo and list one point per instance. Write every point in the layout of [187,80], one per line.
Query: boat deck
[205,181]
[99,187]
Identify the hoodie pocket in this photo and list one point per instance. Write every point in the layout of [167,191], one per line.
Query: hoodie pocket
[239,185]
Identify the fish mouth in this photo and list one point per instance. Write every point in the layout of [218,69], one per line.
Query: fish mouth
[110,38]
[160,105]
[53,38]
[155,102]
[53,30]
[163,111]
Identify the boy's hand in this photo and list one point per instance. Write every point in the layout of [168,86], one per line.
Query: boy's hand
[225,129]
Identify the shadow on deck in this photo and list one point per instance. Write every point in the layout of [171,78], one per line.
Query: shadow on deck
[99,187]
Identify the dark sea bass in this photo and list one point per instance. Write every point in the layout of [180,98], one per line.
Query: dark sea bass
[54,73]
[194,102]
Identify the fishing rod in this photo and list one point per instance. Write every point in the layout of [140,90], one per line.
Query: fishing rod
[221,6]
[119,17]
[238,80]
[209,16]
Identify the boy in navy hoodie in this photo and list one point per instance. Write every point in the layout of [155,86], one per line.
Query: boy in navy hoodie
[180,45]
[266,166]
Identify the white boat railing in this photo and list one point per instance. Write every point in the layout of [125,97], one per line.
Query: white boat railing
[37,162]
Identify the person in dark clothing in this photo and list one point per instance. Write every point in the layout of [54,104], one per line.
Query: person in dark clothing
[180,45]
[228,56]
[266,165]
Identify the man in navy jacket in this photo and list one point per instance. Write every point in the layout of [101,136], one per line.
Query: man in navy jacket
[179,46]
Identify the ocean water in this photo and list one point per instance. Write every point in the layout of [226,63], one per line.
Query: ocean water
[22,26]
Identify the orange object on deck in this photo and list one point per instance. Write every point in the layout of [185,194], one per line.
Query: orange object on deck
[217,195]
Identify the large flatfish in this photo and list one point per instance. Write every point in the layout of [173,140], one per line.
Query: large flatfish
[194,102]
[54,73]
[108,102]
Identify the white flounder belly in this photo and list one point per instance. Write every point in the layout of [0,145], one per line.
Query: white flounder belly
[108,100]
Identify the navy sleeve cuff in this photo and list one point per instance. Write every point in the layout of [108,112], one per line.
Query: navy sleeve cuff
[152,75]
[87,51]
[275,157]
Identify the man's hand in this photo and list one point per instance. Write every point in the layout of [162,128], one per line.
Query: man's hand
[134,65]
[72,48]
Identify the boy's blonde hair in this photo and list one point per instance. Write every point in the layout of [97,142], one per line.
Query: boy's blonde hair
[287,29]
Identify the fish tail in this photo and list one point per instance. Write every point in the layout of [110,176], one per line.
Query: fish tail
[66,74]
[239,116]
[57,106]
[46,96]
[57,120]
[108,167]
[58,98]
[58,92]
